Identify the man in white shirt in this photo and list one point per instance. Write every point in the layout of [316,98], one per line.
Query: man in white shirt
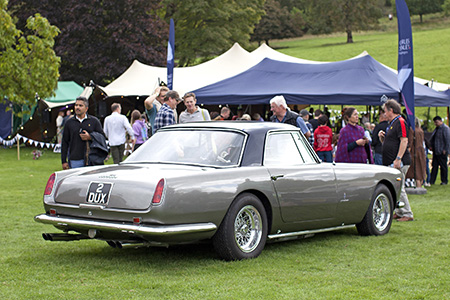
[115,127]
[193,113]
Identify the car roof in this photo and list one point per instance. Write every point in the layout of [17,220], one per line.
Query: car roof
[247,126]
[256,132]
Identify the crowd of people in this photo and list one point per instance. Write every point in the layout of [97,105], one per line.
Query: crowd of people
[84,140]
[390,142]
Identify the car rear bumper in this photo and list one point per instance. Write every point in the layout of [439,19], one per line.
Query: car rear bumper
[150,232]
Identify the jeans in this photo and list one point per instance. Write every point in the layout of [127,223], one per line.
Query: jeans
[76,163]
[325,156]
[378,159]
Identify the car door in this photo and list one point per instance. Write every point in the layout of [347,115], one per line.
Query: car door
[305,187]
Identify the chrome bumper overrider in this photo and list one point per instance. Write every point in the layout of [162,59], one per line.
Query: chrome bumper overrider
[138,229]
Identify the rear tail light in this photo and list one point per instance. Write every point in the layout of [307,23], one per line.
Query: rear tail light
[157,196]
[50,184]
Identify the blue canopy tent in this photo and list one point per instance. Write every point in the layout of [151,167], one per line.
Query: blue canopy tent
[357,81]
[5,121]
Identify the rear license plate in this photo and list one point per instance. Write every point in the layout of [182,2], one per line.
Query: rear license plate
[98,193]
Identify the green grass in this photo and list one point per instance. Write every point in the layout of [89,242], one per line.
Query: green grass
[411,262]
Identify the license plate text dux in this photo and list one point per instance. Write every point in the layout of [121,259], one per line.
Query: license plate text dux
[98,193]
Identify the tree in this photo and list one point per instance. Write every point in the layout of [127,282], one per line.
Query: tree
[100,38]
[28,63]
[423,7]
[326,16]
[205,28]
[278,23]
[446,8]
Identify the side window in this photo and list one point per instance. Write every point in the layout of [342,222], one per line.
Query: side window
[305,152]
[281,149]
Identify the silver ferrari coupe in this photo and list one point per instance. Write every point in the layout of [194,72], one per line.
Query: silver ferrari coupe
[238,184]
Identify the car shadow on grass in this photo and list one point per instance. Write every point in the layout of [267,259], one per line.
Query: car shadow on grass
[98,252]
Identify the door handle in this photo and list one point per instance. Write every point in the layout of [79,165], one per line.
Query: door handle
[275,177]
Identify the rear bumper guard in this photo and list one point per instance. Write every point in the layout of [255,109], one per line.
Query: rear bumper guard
[137,229]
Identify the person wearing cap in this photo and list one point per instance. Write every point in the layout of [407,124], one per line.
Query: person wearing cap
[282,114]
[166,115]
[305,116]
[193,113]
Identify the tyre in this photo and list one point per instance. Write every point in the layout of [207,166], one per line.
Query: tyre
[379,215]
[243,231]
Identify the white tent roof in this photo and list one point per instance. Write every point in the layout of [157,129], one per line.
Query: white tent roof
[138,79]
[141,80]
[264,51]
[230,63]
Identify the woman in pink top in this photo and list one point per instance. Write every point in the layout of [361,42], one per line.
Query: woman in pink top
[322,140]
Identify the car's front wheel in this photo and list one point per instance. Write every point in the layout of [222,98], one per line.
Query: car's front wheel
[243,231]
[378,218]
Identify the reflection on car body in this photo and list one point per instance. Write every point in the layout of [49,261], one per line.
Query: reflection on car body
[237,184]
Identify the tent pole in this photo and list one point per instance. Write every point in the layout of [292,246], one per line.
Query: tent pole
[18,148]
[448,113]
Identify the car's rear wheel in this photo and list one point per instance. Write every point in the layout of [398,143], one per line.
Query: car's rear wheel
[243,232]
[378,218]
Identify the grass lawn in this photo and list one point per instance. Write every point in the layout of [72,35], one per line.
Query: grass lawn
[411,262]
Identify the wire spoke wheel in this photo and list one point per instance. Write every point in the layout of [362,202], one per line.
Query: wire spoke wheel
[378,217]
[243,231]
[381,212]
[248,228]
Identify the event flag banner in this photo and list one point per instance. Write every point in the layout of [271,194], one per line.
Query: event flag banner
[170,55]
[405,60]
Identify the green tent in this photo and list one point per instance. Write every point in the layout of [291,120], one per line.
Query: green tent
[65,94]
[42,125]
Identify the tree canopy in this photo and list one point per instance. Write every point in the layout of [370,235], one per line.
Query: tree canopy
[279,22]
[28,63]
[422,7]
[326,16]
[205,28]
[100,38]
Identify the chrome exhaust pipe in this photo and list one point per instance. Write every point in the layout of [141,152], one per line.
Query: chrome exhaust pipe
[115,244]
[54,237]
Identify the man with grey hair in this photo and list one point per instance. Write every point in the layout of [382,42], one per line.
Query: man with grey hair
[282,114]
[305,116]
[395,151]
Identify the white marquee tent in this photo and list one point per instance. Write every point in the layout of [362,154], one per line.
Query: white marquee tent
[141,80]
